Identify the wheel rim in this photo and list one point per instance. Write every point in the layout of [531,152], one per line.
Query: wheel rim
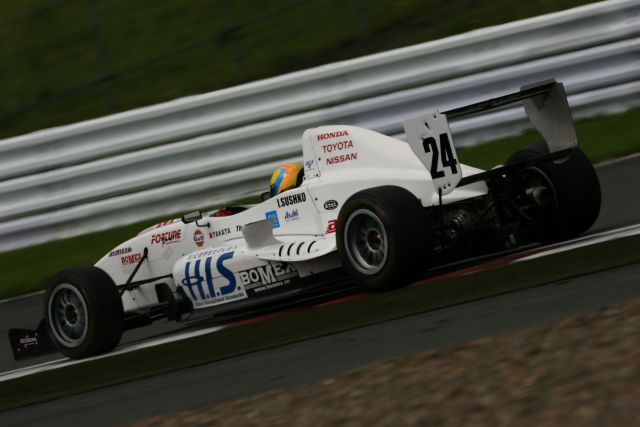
[68,315]
[366,241]
[536,177]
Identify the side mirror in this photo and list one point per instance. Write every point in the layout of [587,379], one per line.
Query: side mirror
[266,195]
[191,217]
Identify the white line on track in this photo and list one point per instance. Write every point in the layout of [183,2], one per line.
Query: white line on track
[549,250]
[21,297]
[584,241]
[616,160]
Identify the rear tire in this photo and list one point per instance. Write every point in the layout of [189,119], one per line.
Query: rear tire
[382,236]
[83,312]
[576,191]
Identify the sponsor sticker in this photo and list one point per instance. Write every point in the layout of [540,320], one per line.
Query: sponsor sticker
[214,251]
[310,165]
[331,226]
[331,135]
[199,281]
[198,238]
[341,158]
[131,259]
[29,341]
[219,233]
[292,215]
[267,277]
[330,205]
[337,146]
[120,251]
[167,237]
[274,215]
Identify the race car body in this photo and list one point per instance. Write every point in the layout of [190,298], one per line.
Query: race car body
[220,259]
[375,209]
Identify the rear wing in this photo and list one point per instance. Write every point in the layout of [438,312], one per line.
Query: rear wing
[545,104]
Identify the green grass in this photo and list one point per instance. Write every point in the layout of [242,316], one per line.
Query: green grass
[71,60]
[318,322]
[31,267]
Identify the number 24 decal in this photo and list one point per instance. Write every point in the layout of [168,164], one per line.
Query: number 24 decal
[448,159]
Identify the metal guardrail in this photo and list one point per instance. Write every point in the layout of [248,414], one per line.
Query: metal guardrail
[206,149]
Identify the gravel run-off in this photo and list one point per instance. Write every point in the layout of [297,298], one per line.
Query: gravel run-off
[582,371]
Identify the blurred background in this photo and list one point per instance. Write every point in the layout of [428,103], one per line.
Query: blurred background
[97,184]
[69,195]
[70,60]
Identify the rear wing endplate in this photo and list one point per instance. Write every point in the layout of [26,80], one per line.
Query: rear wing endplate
[430,137]
[546,106]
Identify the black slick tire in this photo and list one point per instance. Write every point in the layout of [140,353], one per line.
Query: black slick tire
[83,312]
[382,236]
[576,189]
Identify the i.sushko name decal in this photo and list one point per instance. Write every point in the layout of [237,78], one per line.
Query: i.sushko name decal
[291,199]
[200,285]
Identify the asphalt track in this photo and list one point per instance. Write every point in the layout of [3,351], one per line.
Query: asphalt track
[323,357]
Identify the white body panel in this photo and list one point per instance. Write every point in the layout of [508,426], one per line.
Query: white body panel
[216,263]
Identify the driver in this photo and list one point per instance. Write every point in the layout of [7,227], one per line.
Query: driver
[286,177]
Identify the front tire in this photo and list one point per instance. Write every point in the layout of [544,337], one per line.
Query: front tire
[83,312]
[382,237]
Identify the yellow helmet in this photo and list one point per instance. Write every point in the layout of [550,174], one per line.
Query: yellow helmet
[286,177]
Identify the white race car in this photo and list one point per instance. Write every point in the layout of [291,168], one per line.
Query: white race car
[376,209]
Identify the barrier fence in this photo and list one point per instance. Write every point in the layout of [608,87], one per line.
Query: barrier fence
[210,148]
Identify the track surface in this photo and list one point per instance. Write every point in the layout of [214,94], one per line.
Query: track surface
[328,356]
[302,362]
